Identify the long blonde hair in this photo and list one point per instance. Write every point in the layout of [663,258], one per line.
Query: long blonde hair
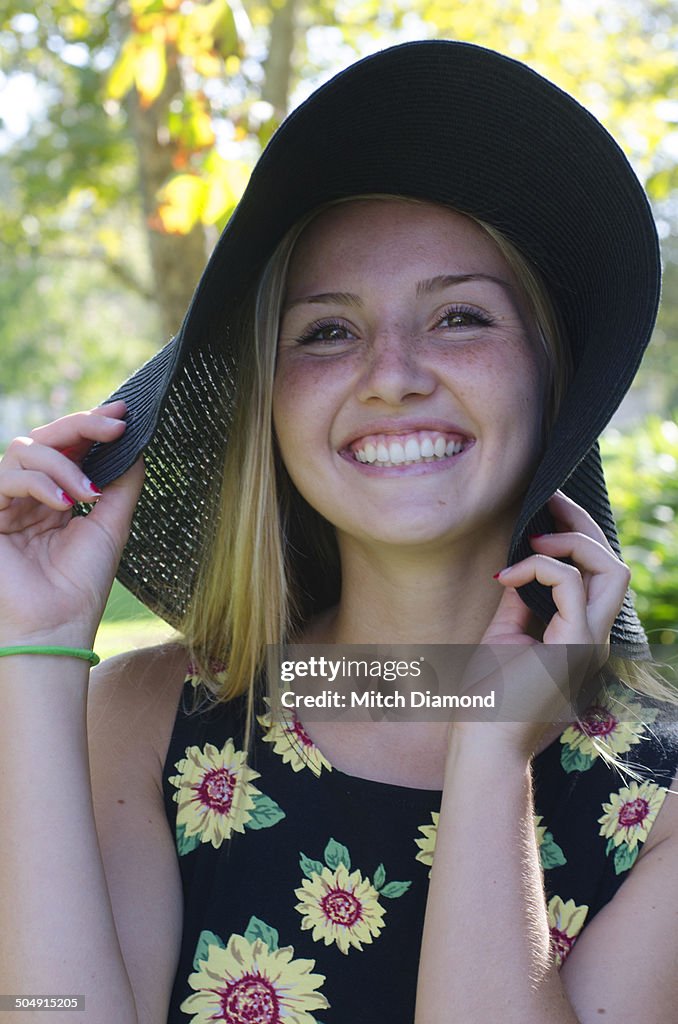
[248,593]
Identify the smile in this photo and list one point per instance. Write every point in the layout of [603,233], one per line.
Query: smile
[420,446]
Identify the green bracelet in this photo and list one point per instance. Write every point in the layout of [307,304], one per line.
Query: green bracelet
[64,652]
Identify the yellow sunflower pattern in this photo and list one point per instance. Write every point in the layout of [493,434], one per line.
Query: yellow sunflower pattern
[427,841]
[602,723]
[216,797]
[292,743]
[550,854]
[627,820]
[341,905]
[252,979]
[566,920]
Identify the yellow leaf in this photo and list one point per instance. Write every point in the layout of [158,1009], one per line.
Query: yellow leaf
[150,70]
[121,78]
[207,64]
[181,203]
[225,186]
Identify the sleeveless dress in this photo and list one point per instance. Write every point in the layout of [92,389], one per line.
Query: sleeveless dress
[305,888]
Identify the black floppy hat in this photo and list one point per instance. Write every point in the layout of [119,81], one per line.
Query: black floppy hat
[448,122]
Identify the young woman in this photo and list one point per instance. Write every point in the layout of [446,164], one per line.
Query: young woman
[431,299]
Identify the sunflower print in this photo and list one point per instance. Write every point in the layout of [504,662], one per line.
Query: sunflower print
[292,743]
[252,980]
[342,906]
[627,820]
[566,920]
[216,797]
[427,841]
[614,723]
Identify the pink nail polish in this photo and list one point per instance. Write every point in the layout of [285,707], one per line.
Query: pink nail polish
[498,574]
[66,498]
[536,536]
[94,489]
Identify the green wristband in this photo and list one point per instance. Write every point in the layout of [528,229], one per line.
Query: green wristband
[64,652]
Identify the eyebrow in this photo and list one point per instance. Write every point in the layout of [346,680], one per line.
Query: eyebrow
[433,284]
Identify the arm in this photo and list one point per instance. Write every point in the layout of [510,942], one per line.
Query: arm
[58,928]
[58,935]
[91,895]
[485,953]
[485,950]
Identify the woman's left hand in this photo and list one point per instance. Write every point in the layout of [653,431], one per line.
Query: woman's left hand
[588,596]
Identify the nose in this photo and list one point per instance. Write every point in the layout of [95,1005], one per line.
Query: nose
[394,370]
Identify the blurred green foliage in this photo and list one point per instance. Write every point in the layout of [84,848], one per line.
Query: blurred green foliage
[641,468]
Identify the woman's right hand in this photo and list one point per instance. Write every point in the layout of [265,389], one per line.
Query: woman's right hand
[56,570]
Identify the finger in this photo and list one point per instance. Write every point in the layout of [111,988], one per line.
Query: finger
[568,513]
[26,454]
[15,483]
[567,586]
[606,578]
[512,619]
[82,429]
[114,513]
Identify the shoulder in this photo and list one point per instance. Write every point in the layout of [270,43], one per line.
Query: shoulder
[133,699]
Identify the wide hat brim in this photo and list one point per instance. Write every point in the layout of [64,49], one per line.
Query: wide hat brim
[448,122]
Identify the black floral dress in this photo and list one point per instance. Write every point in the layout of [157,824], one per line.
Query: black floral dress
[305,888]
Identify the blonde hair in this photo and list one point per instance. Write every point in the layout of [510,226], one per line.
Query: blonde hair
[248,593]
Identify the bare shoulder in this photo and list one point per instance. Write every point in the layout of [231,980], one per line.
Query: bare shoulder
[131,709]
[133,700]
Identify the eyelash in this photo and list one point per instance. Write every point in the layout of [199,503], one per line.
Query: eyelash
[309,335]
[313,329]
[455,310]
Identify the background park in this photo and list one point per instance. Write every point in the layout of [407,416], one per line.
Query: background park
[127,131]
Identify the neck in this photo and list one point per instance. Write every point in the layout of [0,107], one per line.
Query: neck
[410,596]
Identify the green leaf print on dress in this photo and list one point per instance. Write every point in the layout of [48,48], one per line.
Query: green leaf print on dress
[550,854]
[216,797]
[343,906]
[252,979]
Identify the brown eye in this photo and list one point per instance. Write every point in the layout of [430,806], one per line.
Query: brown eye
[459,317]
[325,332]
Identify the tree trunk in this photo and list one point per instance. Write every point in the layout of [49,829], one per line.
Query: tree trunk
[278,64]
[176,260]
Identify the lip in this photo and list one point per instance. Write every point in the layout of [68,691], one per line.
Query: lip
[409,426]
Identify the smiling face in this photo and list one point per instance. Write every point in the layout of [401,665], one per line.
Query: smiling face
[407,395]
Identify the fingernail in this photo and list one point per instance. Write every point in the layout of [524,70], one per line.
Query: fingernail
[500,573]
[66,498]
[536,536]
[89,486]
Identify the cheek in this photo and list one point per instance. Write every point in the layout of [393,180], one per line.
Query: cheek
[508,382]
[300,405]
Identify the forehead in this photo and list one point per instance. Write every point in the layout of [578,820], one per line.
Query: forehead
[390,236]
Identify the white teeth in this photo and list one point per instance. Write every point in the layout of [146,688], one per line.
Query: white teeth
[397,453]
[412,450]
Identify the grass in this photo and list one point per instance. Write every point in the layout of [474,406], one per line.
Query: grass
[128,624]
